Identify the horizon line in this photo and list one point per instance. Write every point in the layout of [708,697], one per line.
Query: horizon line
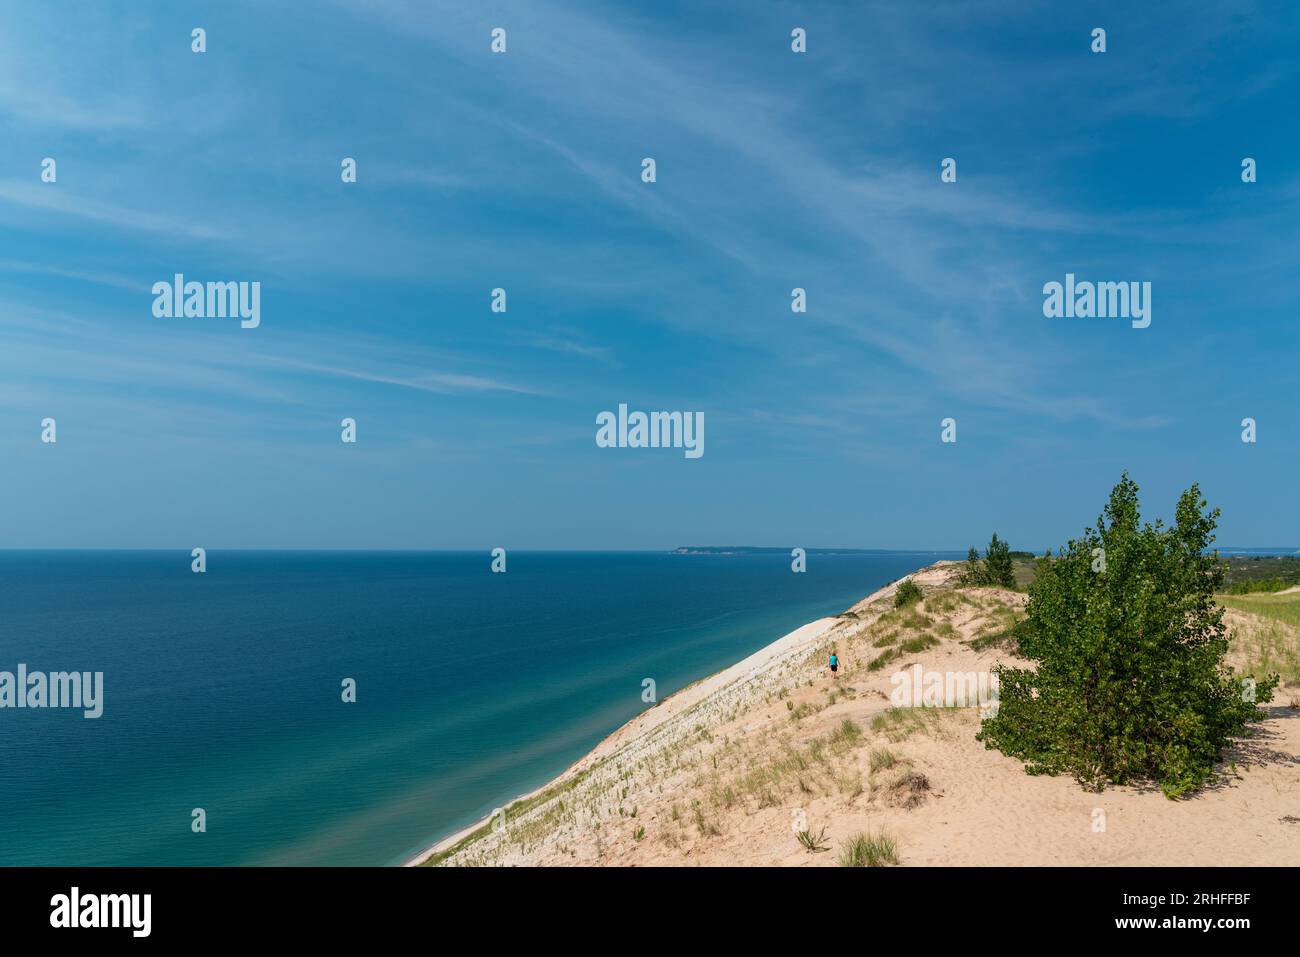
[1263,551]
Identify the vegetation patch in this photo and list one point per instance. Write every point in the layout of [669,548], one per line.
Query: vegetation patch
[809,769]
[908,790]
[997,567]
[899,724]
[869,849]
[1266,646]
[1129,643]
[911,646]
[1001,634]
[883,759]
[908,593]
[946,601]
[1241,572]
[513,810]
[1283,608]
[812,843]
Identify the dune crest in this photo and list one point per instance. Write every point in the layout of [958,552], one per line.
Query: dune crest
[731,769]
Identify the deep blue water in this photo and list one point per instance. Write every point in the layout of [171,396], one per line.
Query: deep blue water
[222,690]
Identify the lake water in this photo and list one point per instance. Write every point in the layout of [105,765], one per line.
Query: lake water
[222,690]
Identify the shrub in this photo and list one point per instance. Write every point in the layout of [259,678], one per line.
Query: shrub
[908,593]
[1130,683]
[1259,585]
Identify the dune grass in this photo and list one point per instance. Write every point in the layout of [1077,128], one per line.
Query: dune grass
[515,810]
[911,646]
[883,759]
[869,849]
[1283,608]
[814,767]
[999,631]
[899,724]
[945,601]
[1272,643]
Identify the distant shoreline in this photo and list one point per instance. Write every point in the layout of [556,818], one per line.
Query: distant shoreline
[782,550]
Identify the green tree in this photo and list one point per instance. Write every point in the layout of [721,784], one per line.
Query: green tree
[1129,643]
[998,569]
[974,573]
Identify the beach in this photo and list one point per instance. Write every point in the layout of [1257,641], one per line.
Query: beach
[730,769]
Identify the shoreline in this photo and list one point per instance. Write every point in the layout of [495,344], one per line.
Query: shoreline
[675,703]
[720,772]
[792,643]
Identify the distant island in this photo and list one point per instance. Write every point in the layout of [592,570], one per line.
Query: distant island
[785,550]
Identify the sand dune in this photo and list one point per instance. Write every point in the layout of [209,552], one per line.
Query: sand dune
[725,771]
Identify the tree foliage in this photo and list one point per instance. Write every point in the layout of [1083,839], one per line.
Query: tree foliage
[997,564]
[1130,682]
[995,569]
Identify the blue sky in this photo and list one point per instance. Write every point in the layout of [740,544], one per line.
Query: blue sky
[522,171]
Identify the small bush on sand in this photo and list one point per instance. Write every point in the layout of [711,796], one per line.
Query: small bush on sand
[908,592]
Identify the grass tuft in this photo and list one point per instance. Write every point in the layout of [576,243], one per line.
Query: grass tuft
[869,850]
[812,843]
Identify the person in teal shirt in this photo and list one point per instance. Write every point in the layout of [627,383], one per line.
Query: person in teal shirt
[835,665]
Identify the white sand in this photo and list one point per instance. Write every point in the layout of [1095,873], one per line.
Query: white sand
[675,786]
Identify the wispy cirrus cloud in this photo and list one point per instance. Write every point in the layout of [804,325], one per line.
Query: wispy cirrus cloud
[49,198]
[443,383]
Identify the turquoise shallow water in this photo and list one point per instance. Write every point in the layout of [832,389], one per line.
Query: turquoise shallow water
[222,690]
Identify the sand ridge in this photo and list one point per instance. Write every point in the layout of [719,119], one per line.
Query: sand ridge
[727,770]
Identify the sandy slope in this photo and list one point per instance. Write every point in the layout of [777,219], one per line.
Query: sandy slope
[720,773]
